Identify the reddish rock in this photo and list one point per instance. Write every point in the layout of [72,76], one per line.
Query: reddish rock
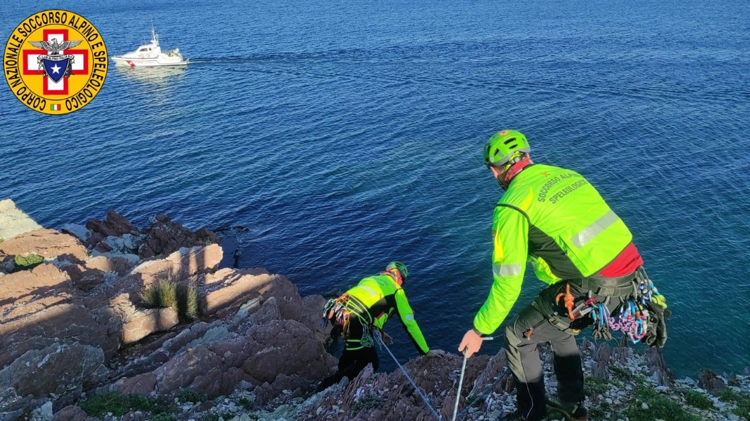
[179,265]
[234,351]
[394,399]
[216,383]
[103,247]
[269,352]
[165,237]
[271,345]
[601,362]
[118,265]
[94,240]
[312,314]
[29,291]
[128,324]
[181,371]
[142,384]
[486,379]
[65,368]
[146,322]
[230,288]
[268,311]
[266,392]
[113,224]
[121,307]
[47,243]
[658,367]
[72,413]
[41,328]
[82,278]
[206,236]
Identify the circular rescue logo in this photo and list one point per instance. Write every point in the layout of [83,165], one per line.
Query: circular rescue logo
[55,62]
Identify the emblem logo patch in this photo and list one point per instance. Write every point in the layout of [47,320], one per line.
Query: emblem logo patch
[55,62]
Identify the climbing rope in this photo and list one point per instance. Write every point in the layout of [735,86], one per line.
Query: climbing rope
[460,383]
[381,345]
[461,379]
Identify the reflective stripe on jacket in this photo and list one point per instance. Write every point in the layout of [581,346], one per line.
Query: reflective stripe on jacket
[556,220]
[383,296]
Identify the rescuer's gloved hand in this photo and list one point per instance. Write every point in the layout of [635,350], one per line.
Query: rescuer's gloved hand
[436,353]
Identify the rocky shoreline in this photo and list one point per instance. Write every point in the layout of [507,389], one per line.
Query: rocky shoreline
[110,321]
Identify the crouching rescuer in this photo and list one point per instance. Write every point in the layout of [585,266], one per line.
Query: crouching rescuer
[557,221]
[363,309]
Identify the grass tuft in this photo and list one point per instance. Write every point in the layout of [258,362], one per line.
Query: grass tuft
[698,400]
[104,403]
[166,293]
[741,400]
[163,417]
[163,294]
[659,407]
[368,401]
[189,395]
[120,404]
[226,415]
[246,403]
[594,386]
[187,303]
[621,373]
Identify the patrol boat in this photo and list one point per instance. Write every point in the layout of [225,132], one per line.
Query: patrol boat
[150,55]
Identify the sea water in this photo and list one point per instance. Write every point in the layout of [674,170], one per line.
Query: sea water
[344,135]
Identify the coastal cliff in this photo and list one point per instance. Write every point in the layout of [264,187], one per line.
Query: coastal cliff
[110,321]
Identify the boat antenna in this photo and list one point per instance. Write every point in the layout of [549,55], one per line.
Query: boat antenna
[154,37]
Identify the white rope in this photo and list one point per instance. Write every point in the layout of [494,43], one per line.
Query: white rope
[461,379]
[460,384]
[381,344]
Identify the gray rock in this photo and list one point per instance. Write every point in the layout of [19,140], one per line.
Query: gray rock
[132,259]
[43,413]
[214,334]
[78,231]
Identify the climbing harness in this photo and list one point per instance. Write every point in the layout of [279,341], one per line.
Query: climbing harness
[630,316]
[340,310]
[461,379]
[382,345]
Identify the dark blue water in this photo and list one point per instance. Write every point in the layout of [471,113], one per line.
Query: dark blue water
[349,134]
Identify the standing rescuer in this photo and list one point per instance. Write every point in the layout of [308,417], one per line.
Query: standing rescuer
[556,220]
[363,308]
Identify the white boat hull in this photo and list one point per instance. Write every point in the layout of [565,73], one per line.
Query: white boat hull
[148,62]
[151,55]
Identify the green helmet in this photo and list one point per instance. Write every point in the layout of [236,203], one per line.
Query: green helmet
[500,147]
[401,268]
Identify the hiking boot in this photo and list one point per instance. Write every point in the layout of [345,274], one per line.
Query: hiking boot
[572,411]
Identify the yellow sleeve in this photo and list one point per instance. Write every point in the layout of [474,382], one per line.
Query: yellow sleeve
[511,235]
[407,319]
